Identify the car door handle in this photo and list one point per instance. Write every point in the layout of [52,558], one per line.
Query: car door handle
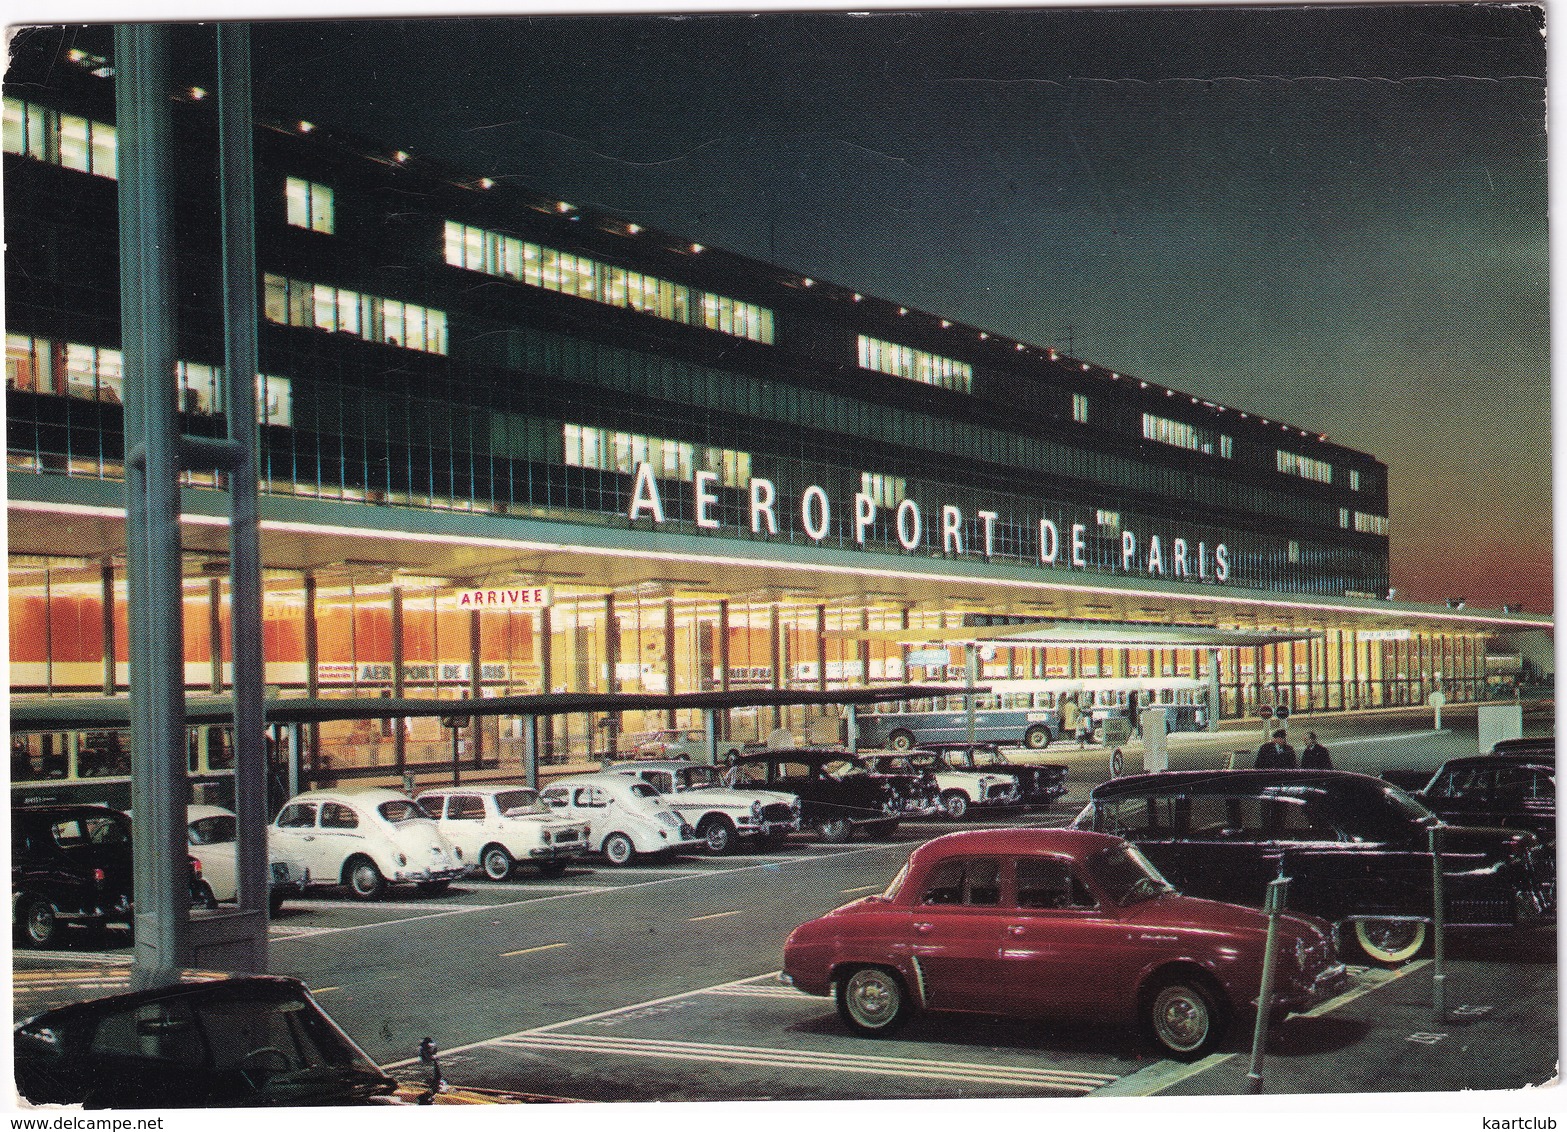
[922,928]
[1016,929]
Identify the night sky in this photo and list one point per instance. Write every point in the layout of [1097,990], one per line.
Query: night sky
[1332,217]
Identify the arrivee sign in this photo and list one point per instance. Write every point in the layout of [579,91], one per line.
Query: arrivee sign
[513,597]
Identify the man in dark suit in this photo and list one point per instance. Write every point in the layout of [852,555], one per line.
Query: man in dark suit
[1314,756]
[1276,755]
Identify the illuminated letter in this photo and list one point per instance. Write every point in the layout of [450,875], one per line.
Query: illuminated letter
[864,515]
[705,498]
[1128,549]
[1049,542]
[817,531]
[1155,557]
[1202,560]
[1180,558]
[1078,559]
[951,529]
[762,496]
[909,524]
[1221,556]
[645,495]
[989,519]
[464,600]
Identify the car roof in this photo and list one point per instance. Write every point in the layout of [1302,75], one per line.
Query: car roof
[800,754]
[1540,745]
[369,796]
[604,779]
[1066,842]
[488,788]
[1519,758]
[1227,781]
[198,810]
[623,768]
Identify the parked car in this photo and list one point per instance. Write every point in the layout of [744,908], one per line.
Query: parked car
[365,840]
[626,817]
[838,791]
[722,816]
[214,842]
[1040,784]
[677,743]
[1541,747]
[501,827]
[959,790]
[1512,791]
[1058,924]
[253,1041]
[1356,849]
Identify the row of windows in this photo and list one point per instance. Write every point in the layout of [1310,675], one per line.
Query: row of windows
[1080,408]
[1183,435]
[883,490]
[1294,464]
[510,258]
[1362,522]
[610,451]
[371,317]
[97,373]
[60,139]
[916,365]
[309,205]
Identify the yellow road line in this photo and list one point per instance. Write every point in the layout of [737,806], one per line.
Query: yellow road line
[862,888]
[323,990]
[715,916]
[527,950]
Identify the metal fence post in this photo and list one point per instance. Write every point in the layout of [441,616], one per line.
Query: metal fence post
[1438,926]
[1277,890]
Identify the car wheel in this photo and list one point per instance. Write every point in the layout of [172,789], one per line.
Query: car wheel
[1184,1018]
[881,829]
[1036,738]
[872,1001]
[1389,942]
[275,902]
[955,802]
[497,863]
[205,897]
[718,834]
[835,831]
[364,880]
[901,740]
[552,869]
[433,887]
[37,925]
[618,849]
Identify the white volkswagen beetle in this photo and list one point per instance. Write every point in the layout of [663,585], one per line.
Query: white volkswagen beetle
[214,841]
[626,816]
[365,839]
[500,827]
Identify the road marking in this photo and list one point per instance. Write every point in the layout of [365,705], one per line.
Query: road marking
[80,957]
[1384,738]
[1372,983]
[1022,1076]
[1425,1039]
[372,905]
[862,888]
[323,990]
[714,916]
[761,991]
[530,950]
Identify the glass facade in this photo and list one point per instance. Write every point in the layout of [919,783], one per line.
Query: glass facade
[60,139]
[916,365]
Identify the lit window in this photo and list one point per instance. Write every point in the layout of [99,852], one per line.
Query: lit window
[1227,447]
[309,205]
[1080,408]
[1294,464]
[1370,524]
[1294,552]
[916,365]
[291,302]
[493,253]
[884,490]
[59,139]
[1111,520]
[1181,434]
[588,447]
[1354,479]
[1343,517]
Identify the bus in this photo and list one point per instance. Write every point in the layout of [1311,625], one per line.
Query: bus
[1027,713]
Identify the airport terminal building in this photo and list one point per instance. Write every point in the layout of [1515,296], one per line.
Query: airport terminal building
[513,445]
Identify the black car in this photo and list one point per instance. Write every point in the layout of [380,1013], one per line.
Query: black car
[247,1042]
[69,865]
[1510,791]
[838,792]
[1041,784]
[1356,850]
[1542,748]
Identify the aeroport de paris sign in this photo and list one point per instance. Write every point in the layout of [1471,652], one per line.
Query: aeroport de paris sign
[1179,558]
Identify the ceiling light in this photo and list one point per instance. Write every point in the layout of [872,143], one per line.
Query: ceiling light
[197,93]
[697,249]
[945,324]
[306,127]
[562,206]
[401,156]
[633,228]
[486,183]
[983,335]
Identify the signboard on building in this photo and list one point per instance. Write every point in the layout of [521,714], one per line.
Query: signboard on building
[1382,635]
[510,597]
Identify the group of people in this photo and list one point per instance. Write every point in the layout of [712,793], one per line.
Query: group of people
[1277,754]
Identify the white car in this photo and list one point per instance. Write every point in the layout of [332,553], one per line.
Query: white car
[960,789]
[366,839]
[214,841]
[500,827]
[676,743]
[721,815]
[626,816]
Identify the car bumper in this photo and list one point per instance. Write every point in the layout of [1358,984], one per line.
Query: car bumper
[424,875]
[556,852]
[1300,997]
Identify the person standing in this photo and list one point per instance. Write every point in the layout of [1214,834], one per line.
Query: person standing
[1071,717]
[1276,754]
[1314,756]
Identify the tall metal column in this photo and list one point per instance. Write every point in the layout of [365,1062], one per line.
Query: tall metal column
[106,574]
[157,694]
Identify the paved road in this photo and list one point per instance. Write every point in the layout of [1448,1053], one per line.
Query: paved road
[657,982]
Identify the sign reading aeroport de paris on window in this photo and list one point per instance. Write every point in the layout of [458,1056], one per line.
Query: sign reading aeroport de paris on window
[1177,558]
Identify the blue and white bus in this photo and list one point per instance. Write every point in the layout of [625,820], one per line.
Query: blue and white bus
[1027,713]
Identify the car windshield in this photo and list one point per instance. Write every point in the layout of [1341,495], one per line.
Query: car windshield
[511,802]
[643,790]
[843,768]
[401,810]
[692,777]
[1126,876]
[894,766]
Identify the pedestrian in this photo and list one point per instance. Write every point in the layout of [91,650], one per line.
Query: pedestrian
[1314,756]
[1071,718]
[1276,754]
[1132,714]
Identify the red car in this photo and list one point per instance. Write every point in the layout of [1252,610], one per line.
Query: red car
[1054,923]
